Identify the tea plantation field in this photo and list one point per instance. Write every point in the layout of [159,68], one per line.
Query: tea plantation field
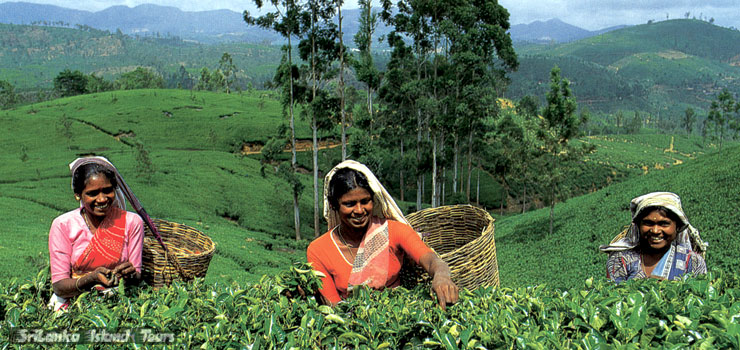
[552,295]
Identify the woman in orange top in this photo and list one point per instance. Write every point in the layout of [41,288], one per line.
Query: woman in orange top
[368,239]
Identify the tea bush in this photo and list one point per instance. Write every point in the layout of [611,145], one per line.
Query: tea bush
[702,313]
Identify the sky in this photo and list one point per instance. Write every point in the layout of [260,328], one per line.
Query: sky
[587,14]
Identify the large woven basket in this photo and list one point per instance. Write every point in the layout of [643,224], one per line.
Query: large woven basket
[188,254]
[462,235]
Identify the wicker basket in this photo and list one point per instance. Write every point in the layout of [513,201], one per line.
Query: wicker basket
[189,252]
[462,235]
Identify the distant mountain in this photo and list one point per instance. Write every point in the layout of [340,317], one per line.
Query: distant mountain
[228,26]
[153,20]
[552,31]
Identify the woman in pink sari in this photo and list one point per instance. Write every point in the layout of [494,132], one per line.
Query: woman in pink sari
[99,243]
[368,239]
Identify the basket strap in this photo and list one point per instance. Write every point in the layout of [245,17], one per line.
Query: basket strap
[148,221]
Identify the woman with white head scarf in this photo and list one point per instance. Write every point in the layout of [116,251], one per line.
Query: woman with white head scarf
[368,239]
[98,243]
[658,243]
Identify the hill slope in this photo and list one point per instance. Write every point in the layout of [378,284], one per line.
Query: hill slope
[710,194]
[661,67]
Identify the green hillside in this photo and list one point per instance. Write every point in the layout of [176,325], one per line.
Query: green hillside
[710,194]
[663,67]
[31,56]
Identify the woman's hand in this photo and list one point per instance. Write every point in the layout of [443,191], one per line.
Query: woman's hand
[126,271]
[446,290]
[442,285]
[101,275]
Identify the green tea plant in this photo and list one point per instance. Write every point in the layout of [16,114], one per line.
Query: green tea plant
[697,313]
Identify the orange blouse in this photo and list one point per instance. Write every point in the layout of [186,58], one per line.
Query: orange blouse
[325,256]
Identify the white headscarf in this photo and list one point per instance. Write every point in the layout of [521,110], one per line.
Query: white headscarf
[669,201]
[383,204]
[120,200]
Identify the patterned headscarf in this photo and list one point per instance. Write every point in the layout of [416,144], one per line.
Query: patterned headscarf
[120,200]
[383,204]
[669,201]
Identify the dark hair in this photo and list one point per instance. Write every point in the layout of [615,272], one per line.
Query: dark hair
[84,172]
[663,211]
[343,181]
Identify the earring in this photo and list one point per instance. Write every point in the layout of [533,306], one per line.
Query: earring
[77,197]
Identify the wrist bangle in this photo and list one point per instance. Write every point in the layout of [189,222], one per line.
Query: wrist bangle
[77,284]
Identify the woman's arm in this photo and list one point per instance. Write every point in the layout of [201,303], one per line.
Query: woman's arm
[442,285]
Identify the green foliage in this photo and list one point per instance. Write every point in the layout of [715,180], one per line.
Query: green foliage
[68,83]
[7,95]
[723,116]
[140,78]
[697,313]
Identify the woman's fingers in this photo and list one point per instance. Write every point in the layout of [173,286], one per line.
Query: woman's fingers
[447,293]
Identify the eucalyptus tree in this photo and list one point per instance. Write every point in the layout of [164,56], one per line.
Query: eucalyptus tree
[228,69]
[396,117]
[412,20]
[319,48]
[722,114]
[339,4]
[481,51]
[558,126]
[284,20]
[365,67]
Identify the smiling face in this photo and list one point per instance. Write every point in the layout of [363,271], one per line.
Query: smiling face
[657,231]
[98,195]
[355,209]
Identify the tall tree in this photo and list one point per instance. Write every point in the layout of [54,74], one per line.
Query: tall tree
[319,48]
[228,69]
[364,66]
[342,101]
[558,126]
[689,117]
[721,116]
[284,20]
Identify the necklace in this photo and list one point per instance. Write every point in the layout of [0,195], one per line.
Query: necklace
[87,222]
[349,247]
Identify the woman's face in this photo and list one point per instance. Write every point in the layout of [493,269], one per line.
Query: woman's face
[355,208]
[98,195]
[657,231]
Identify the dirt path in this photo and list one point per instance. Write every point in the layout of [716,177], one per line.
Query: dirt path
[300,146]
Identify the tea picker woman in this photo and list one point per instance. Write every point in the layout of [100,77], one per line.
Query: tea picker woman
[368,239]
[660,242]
[99,243]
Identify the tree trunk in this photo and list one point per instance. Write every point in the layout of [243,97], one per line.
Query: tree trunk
[456,161]
[470,161]
[400,173]
[296,217]
[524,202]
[293,162]
[552,206]
[503,199]
[434,171]
[444,182]
[477,186]
[341,82]
[314,131]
